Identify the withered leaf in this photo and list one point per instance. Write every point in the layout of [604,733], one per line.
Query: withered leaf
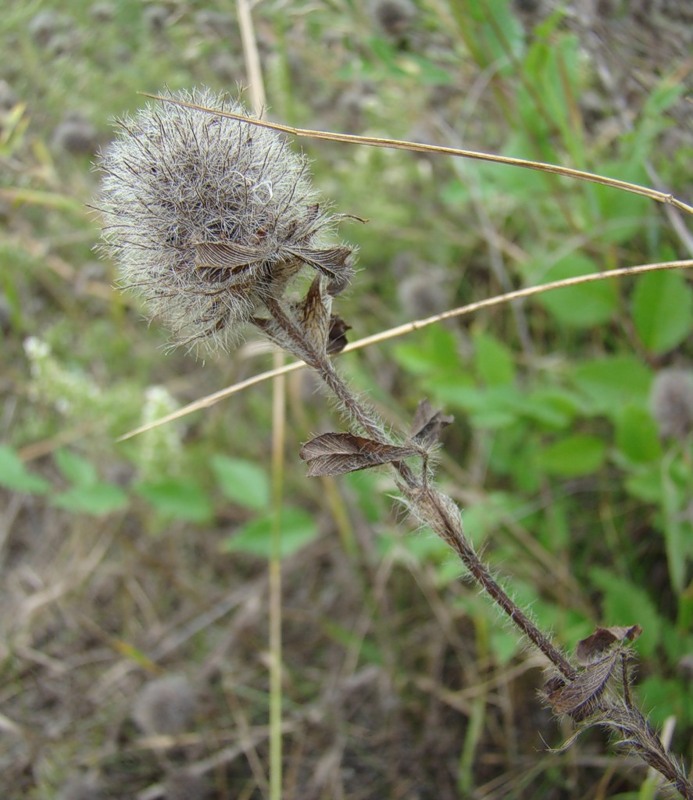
[428,424]
[226,255]
[336,338]
[579,698]
[339,453]
[594,646]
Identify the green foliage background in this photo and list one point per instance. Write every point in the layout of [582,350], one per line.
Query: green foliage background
[555,455]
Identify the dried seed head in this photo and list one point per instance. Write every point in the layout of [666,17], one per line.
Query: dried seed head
[423,294]
[165,706]
[671,402]
[396,17]
[75,135]
[207,216]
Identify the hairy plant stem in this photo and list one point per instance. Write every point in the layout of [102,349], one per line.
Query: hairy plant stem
[429,505]
[439,512]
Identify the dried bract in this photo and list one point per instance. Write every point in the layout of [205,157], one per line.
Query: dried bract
[208,216]
[339,453]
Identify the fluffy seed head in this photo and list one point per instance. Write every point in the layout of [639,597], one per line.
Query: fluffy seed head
[206,216]
[671,402]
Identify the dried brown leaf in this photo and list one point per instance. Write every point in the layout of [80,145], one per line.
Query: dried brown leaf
[339,453]
[594,646]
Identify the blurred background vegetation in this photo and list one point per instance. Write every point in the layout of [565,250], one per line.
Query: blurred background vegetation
[134,588]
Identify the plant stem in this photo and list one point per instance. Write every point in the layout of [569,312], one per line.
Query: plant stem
[429,505]
[443,517]
[439,512]
[275,587]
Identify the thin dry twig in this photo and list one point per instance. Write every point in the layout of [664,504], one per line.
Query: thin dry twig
[418,147]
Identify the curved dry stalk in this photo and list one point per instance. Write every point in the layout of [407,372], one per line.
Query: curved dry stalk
[418,147]
[401,330]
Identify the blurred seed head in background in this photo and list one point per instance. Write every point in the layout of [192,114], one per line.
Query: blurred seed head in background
[671,402]
[165,706]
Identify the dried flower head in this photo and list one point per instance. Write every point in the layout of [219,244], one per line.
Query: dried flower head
[208,216]
[671,402]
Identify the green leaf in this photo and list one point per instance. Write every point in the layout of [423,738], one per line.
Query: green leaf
[492,408]
[662,310]
[665,698]
[92,498]
[177,499]
[608,384]
[678,537]
[573,456]
[365,486]
[483,519]
[388,55]
[636,435]
[624,603]
[515,454]
[580,306]
[298,529]
[15,476]
[617,217]
[491,31]
[75,468]
[553,68]
[242,481]
[494,362]
[653,119]
[663,97]
[435,349]
[646,483]
[427,72]
[684,622]
[553,408]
